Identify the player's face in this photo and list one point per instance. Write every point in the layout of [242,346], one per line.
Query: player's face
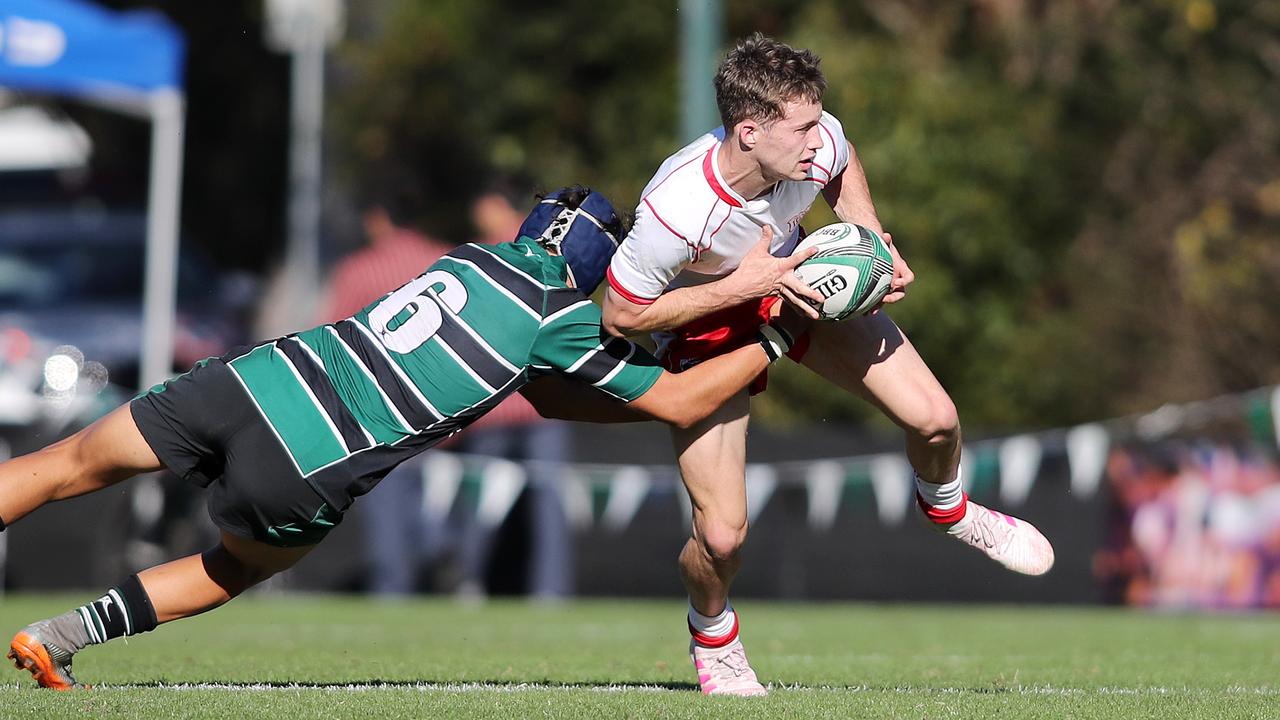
[786,147]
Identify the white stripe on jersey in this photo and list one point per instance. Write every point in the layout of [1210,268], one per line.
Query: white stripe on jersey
[612,394]
[579,362]
[266,419]
[533,312]
[320,363]
[399,371]
[484,345]
[279,439]
[616,368]
[515,269]
[462,363]
[561,313]
[355,359]
[333,427]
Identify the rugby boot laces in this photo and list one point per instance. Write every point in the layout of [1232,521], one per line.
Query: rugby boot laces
[1015,544]
[48,663]
[725,670]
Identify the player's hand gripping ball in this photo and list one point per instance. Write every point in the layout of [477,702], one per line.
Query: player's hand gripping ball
[853,269]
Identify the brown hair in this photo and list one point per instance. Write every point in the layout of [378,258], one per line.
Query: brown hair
[759,76]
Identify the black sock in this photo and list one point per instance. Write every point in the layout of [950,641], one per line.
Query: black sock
[124,610]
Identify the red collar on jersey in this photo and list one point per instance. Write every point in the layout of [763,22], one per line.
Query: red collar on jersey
[710,172]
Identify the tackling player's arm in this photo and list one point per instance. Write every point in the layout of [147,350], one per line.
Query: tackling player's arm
[686,398]
[680,399]
[559,398]
[760,274]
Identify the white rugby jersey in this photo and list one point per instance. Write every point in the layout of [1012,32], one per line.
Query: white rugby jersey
[692,228]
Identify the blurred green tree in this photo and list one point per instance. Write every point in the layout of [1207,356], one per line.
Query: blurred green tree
[457,90]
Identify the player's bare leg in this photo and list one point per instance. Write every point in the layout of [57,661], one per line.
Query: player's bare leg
[177,589]
[870,357]
[712,459]
[106,452]
[197,583]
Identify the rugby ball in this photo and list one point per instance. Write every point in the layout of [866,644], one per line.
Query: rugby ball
[852,269]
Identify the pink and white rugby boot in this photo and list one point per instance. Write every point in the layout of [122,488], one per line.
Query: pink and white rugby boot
[1015,544]
[725,670]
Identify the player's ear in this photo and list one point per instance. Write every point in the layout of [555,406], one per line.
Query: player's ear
[748,133]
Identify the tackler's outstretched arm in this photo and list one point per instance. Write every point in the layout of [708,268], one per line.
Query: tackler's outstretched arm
[681,399]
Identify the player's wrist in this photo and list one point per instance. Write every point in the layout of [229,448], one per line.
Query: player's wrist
[775,340]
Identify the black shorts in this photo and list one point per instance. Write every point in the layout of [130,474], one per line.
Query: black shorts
[203,427]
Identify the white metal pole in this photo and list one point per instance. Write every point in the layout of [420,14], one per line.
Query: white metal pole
[168,109]
[302,260]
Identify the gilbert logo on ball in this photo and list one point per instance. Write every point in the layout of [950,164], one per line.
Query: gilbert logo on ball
[852,269]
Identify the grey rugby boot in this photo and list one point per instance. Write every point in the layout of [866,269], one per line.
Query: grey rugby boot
[37,649]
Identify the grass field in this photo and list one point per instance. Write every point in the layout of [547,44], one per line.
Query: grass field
[330,657]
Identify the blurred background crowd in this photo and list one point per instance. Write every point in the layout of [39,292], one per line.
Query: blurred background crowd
[1088,192]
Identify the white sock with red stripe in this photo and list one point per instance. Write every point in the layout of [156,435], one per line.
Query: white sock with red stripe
[943,503]
[716,630]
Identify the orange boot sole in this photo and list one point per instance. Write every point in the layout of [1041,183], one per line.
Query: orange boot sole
[29,654]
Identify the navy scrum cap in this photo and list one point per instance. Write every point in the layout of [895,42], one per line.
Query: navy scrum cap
[586,236]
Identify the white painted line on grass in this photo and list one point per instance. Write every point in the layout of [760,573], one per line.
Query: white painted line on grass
[418,687]
[464,687]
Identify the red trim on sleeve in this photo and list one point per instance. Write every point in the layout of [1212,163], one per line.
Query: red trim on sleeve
[722,222]
[630,296]
[710,174]
[707,222]
[835,154]
[695,249]
[670,229]
[673,172]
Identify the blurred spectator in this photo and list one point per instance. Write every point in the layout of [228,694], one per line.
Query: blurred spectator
[515,431]
[395,253]
[1196,526]
[499,209]
[398,540]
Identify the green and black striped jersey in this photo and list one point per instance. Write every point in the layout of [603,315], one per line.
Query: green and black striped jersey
[427,359]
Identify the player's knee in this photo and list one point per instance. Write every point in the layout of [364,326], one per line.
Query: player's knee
[941,424]
[234,574]
[723,540]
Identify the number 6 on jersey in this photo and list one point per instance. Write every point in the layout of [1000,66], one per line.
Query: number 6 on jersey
[410,316]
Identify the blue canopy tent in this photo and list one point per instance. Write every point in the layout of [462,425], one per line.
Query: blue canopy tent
[130,62]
